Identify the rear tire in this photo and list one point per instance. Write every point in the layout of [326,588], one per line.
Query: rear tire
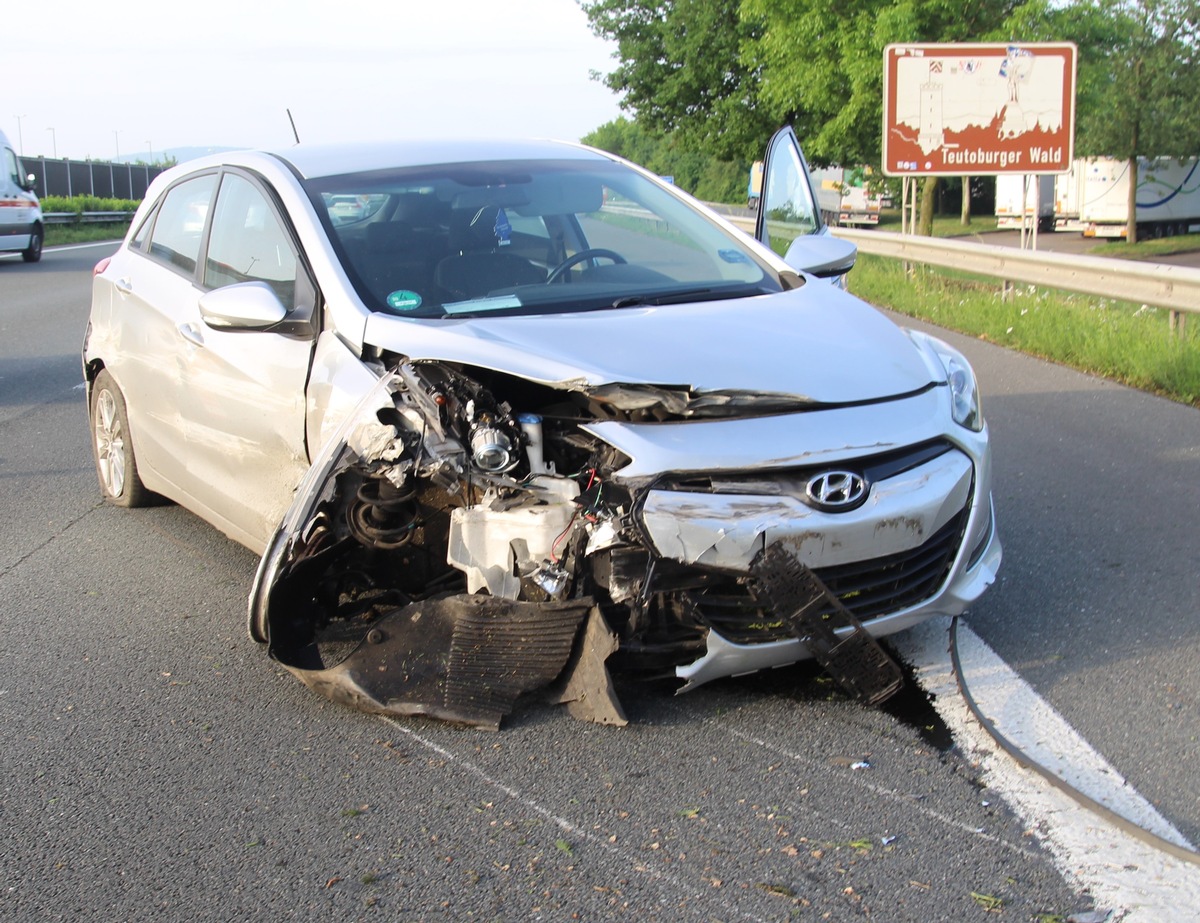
[33,253]
[116,466]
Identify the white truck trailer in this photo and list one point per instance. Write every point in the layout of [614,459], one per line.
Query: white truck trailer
[845,197]
[1028,198]
[1168,196]
[1068,196]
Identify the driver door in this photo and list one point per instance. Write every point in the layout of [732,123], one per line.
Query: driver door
[789,216]
[246,387]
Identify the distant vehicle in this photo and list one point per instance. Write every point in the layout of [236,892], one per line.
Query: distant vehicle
[845,196]
[1168,196]
[1021,198]
[1068,196]
[21,225]
[754,190]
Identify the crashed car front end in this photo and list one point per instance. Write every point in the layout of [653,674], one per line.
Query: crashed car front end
[470,535]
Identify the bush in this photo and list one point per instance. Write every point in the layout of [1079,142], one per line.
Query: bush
[57,204]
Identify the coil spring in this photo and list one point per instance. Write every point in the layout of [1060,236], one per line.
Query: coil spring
[384,515]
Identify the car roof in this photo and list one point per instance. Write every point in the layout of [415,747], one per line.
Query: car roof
[315,160]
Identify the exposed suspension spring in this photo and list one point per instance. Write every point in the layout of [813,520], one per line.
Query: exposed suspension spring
[384,515]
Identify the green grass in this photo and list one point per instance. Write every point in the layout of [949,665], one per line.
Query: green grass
[1148,249]
[57,234]
[1125,342]
[943,225]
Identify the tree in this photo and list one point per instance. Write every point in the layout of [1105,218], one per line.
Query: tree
[694,169]
[728,72]
[1142,89]
[681,71]
[832,93]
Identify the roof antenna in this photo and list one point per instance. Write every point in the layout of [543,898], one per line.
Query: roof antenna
[295,133]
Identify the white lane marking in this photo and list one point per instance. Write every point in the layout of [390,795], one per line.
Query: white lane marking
[62,248]
[691,893]
[1139,883]
[893,795]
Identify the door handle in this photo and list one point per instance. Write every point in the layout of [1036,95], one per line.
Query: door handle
[124,285]
[192,333]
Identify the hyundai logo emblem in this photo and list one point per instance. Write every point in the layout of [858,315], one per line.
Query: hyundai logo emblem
[836,491]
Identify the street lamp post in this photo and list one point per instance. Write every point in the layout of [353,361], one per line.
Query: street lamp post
[53,142]
[20,134]
[117,145]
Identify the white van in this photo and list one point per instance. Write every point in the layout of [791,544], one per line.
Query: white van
[21,225]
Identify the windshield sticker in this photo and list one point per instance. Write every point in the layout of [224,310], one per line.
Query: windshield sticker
[482,304]
[404,300]
[503,229]
[733,256]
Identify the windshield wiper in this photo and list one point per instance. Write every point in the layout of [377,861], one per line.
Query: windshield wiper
[696,294]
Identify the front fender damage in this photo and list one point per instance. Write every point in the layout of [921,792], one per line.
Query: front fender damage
[372,592]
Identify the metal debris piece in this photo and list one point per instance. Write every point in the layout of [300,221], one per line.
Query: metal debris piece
[813,614]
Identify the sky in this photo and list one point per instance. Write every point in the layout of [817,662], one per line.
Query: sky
[129,77]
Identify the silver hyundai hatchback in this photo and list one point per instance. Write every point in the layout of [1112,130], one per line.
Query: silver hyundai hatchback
[500,417]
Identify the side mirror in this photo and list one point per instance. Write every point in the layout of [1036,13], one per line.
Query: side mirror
[821,255]
[245,306]
[30,182]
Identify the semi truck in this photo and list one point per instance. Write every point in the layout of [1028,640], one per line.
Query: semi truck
[754,190]
[1025,198]
[845,196]
[1068,196]
[1168,196]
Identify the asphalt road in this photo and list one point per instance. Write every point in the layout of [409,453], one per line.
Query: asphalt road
[158,765]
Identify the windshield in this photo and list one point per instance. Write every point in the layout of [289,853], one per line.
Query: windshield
[526,237]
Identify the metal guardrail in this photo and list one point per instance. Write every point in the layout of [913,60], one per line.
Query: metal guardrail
[86,217]
[1161,285]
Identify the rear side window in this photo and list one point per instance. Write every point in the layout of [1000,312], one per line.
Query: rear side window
[247,242]
[180,223]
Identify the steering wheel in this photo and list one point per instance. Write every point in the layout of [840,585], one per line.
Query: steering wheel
[593,253]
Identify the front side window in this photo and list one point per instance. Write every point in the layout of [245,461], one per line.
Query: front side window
[13,168]
[788,208]
[247,243]
[529,237]
[179,226]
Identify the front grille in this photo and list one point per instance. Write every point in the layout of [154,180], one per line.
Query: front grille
[870,589]
[776,482]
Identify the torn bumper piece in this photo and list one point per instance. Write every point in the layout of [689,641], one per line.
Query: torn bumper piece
[814,614]
[467,659]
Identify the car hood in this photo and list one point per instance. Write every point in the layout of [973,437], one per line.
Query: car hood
[815,343]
